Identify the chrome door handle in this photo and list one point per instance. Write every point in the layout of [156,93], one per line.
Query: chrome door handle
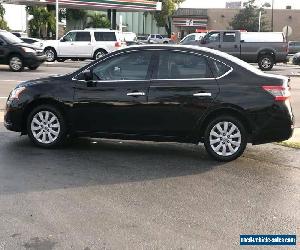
[136,94]
[202,94]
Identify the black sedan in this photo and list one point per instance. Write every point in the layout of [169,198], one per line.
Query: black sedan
[158,93]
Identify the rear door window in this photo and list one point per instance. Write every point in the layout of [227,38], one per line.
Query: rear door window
[229,37]
[83,37]
[105,36]
[181,65]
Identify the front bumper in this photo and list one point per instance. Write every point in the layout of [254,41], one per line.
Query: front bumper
[34,59]
[13,118]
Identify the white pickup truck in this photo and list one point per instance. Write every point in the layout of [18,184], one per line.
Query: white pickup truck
[83,44]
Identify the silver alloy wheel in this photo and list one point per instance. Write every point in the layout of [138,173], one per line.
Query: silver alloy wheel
[45,127]
[99,54]
[266,63]
[15,63]
[225,138]
[50,55]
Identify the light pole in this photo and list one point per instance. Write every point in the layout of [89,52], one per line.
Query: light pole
[272,16]
[57,19]
[259,21]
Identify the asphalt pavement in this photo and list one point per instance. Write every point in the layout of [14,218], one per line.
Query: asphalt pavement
[111,194]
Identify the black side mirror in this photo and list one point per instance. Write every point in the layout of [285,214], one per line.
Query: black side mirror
[88,75]
[62,39]
[203,41]
[242,41]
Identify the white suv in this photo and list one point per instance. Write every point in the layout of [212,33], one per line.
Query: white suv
[83,44]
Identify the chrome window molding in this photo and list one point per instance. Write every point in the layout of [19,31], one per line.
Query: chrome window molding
[158,49]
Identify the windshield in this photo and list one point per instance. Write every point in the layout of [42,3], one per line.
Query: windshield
[10,38]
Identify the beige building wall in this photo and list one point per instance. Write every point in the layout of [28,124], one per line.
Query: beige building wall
[220,19]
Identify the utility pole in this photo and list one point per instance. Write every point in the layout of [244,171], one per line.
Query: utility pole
[57,19]
[272,15]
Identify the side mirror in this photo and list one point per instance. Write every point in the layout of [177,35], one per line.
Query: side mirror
[88,75]
[203,41]
[242,41]
[62,39]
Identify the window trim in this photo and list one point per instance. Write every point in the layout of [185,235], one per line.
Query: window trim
[153,66]
[193,79]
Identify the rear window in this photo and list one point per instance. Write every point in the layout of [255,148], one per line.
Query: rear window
[83,37]
[219,69]
[105,36]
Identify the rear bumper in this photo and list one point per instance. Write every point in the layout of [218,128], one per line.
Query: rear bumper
[275,126]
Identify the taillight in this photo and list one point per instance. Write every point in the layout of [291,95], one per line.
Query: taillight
[280,93]
[118,44]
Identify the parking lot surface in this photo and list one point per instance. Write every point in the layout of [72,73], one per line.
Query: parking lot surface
[104,194]
[111,194]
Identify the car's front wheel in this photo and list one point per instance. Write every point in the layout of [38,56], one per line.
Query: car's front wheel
[16,63]
[46,126]
[225,138]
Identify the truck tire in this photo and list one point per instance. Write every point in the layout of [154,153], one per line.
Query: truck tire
[266,62]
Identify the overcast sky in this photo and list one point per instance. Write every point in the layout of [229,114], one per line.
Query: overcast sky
[221,3]
[15,15]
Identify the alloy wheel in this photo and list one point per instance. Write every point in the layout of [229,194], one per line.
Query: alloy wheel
[50,55]
[45,127]
[225,138]
[15,63]
[99,54]
[266,63]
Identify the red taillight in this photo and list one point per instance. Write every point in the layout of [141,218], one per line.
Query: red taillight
[280,93]
[118,44]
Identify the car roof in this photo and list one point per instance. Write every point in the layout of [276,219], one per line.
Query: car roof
[92,29]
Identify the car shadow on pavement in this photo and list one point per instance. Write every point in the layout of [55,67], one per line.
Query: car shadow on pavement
[94,162]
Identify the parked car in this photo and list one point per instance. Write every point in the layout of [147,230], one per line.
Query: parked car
[83,44]
[264,48]
[192,39]
[296,59]
[160,93]
[34,41]
[158,39]
[17,54]
[19,34]
[294,47]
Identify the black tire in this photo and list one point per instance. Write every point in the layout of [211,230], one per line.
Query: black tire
[60,133]
[266,62]
[61,59]
[165,42]
[99,51]
[50,54]
[211,148]
[16,63]
[33,67]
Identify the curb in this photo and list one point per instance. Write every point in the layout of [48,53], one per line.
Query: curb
[65,64]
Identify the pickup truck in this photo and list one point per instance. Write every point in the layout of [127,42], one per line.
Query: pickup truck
[264,48]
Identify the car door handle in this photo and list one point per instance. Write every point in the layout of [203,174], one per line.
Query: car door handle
[202,94]
[136,94]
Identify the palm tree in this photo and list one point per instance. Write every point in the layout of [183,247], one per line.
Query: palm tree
[97,20]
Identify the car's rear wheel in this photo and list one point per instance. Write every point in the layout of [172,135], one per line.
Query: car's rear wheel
[50,54]
[225,138]
[99,53]
[46,126]
[16,63]
[266,62]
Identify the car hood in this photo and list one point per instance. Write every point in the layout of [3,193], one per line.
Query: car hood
[27,45]
[50,79]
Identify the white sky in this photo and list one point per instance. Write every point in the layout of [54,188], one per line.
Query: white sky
[221,3]
[15,14]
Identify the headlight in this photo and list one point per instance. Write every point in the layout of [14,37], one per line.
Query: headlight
[28,50]
[16,93]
